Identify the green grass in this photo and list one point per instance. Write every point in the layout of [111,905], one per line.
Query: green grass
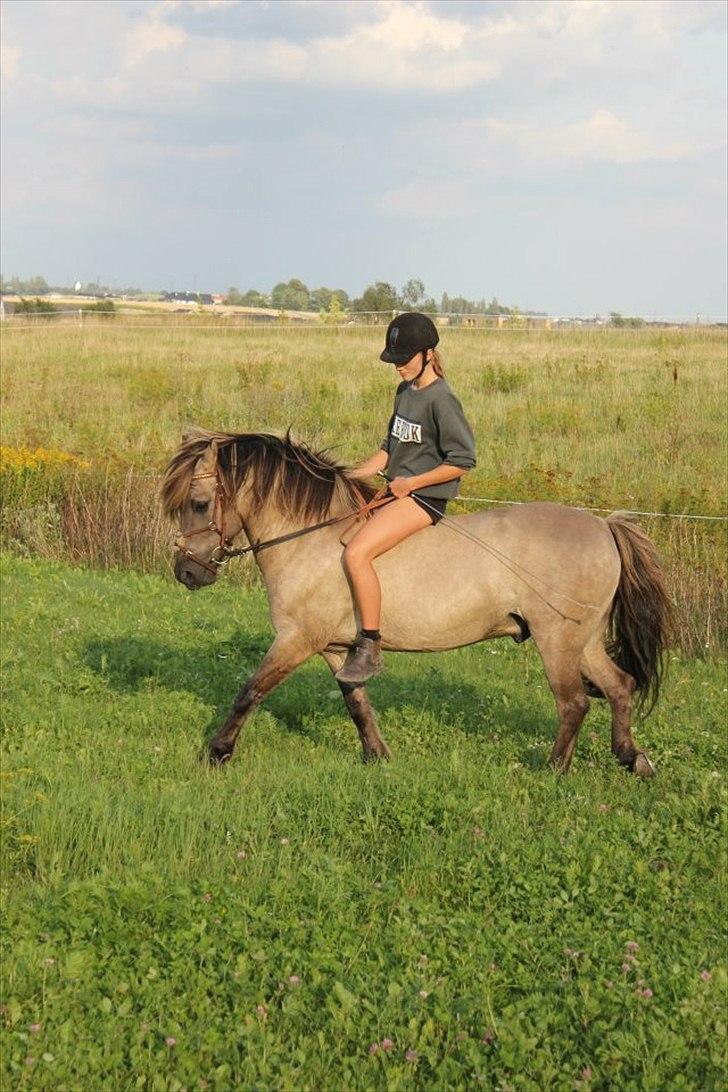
[462,901]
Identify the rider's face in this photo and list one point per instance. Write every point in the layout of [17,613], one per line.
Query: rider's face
[412,368]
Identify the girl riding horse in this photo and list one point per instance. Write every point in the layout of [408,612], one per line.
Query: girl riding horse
[428,447]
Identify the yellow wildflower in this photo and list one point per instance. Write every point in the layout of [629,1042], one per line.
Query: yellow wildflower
[22,458]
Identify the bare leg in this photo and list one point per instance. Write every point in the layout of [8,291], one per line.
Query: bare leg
[391,524]
[361,712]
[280,660]
[619,687]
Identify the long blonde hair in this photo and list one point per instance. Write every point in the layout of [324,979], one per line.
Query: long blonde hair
[437,363]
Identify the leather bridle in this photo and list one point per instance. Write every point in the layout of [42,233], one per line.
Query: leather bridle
[214,563]
[224,550]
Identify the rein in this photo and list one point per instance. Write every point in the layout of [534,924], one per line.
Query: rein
[376,502]
[224,550]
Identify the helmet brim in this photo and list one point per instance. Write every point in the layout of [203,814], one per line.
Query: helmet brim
[397,358]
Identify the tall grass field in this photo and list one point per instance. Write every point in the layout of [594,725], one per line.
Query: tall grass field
[614,419]
[459,918]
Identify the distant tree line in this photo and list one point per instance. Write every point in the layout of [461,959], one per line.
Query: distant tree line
[294,295]
[38,286]
[39,306]
[290,296]
[615,319]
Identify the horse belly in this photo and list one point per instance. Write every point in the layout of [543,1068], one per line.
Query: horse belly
[432,610]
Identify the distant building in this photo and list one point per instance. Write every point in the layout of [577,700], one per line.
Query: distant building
[204,298]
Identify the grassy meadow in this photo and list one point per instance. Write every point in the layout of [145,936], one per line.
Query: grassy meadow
[459,918]
[607,418]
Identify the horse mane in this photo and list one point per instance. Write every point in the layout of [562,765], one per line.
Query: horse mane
[306,484]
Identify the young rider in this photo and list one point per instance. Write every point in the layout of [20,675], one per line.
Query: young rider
[428,448]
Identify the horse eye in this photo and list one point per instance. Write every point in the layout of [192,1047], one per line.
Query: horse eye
[200,506]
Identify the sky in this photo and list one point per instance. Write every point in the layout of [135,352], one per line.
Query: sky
[563,156]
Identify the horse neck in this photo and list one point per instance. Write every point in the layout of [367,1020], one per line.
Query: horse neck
[271,519]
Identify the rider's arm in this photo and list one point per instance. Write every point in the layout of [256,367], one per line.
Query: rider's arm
[455,446]
[371,467]
[442,473]
[402,487]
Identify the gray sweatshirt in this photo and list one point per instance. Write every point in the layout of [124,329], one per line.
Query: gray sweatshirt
[426,429]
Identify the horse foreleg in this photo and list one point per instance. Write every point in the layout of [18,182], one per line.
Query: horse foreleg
[361,712]
[280,660]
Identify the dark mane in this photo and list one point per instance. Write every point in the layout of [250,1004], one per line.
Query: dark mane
[306,484]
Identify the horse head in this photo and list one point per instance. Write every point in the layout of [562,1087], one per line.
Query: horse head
[216,482]
[208,522]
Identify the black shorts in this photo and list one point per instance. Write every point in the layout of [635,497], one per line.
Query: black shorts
[434,506]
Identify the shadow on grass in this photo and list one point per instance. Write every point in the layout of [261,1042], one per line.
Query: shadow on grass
[131,664]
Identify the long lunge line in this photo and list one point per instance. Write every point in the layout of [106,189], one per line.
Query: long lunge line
[517,569]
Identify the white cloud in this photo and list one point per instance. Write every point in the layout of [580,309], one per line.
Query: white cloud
[199,7]
[9,61]
[403,46]
[478,151]
[607,138]
[394,46]
[152,36]
[147,150]
[443,198]
[410,28]
[210,5]
[494,145]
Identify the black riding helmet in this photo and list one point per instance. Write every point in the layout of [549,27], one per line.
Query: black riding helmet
[407,334]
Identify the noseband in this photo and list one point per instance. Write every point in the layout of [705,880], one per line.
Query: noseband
[219,555]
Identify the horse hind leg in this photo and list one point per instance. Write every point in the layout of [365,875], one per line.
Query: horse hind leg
[562,672]
[618,687]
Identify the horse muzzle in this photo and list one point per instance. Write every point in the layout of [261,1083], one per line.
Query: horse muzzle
[192,573]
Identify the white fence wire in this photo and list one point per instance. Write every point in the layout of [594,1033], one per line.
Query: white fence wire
[588,508]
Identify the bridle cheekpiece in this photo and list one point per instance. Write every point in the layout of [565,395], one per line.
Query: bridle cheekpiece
[220,554]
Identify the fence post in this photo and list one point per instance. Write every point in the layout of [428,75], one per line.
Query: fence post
[80,317]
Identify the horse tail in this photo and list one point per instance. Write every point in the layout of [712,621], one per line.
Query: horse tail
[641,618]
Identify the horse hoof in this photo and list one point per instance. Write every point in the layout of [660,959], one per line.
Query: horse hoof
[384,755]
[218,756]
[642,766]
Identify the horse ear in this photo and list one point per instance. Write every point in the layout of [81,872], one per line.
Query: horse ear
[208,462]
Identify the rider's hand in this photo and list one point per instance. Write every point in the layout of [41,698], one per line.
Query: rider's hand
[400,487]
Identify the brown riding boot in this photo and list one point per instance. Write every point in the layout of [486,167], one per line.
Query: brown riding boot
[363,662]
